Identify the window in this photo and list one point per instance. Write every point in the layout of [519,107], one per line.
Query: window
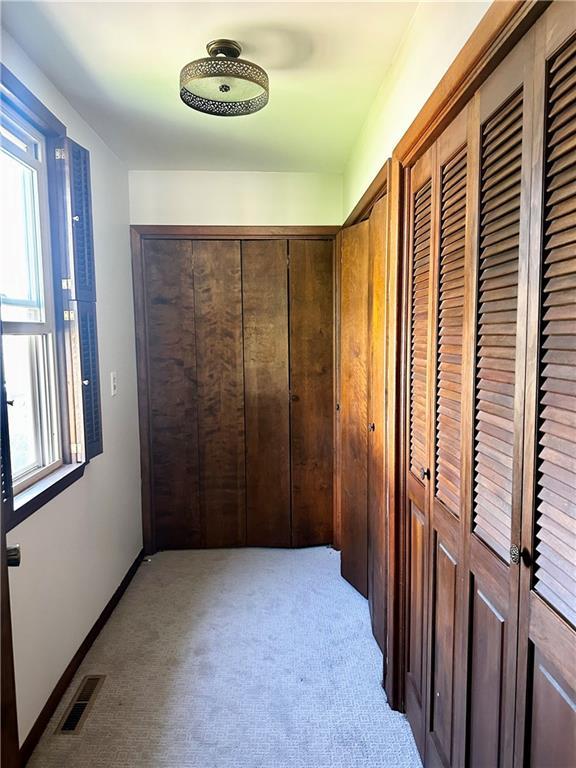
[27,308]
[47,301]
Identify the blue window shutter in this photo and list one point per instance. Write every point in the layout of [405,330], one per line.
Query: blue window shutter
[78,160]
[90,378]
[81,211]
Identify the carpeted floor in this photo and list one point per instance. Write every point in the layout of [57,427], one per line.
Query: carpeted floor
[248,658]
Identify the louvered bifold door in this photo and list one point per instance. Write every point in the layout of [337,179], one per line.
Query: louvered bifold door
[501,142]
[547,656]
[418,364]
[451,253]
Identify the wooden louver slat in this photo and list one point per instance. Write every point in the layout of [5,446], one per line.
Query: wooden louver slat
[450,327]
[500,172]
[555,513]
[419,324]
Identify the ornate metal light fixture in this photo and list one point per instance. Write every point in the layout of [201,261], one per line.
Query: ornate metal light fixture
[224,84]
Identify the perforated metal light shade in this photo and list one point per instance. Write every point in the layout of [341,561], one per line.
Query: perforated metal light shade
[224,84]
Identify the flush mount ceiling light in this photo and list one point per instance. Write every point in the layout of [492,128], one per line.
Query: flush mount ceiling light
[224,84]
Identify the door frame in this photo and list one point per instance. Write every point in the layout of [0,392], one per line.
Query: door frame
[10,755]
[138,234]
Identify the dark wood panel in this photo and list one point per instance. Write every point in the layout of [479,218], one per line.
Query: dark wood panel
[553,718]
[354,405]
[486,681]
[443,650]
[311,387]
[378,273]
[416,626]
[218,300]
[218,232]
[169,285]
[266,383]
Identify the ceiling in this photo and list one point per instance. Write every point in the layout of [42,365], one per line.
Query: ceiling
[118,64]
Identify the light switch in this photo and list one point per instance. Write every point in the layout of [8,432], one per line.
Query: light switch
[113,383]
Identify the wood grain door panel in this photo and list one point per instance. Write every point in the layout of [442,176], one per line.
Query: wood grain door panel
[546,682]
[418,412]
[377,403]
[311,387]
[499,300]
[172,382]
[486,676]
[354,405]
[552,717]
[220,372]
[266,396]
[444,613]
[449,264]
[416,586]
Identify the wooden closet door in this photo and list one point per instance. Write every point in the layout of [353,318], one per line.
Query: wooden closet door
[422,192]
[546,689]
[220,372]
[354,405]
[445,721]
[378,271]
[177,519]
[311,388]
[501,150]
[265,312]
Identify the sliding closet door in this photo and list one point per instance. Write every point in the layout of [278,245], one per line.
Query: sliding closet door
[171,346]
[546,702]
[445,722]
[354,404]
[419,379]
[311,388]
[377,311]
[504,106]
[220,376]
[265,305]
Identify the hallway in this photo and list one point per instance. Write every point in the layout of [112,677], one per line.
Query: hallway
[248,658]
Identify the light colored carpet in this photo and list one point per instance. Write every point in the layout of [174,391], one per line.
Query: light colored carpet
[247,658]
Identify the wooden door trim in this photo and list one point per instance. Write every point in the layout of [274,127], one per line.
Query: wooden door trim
[143,382]
[200,232]
[337,507]
[502,26]
[395,382]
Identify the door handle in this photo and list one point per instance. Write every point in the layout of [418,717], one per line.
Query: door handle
[424,473]
[518,555]
[13,556]
[372,427]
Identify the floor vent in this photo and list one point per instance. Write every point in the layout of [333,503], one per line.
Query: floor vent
[79,707]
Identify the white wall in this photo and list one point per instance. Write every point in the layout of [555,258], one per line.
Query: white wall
[435,36]
[77,548]
[235,198]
